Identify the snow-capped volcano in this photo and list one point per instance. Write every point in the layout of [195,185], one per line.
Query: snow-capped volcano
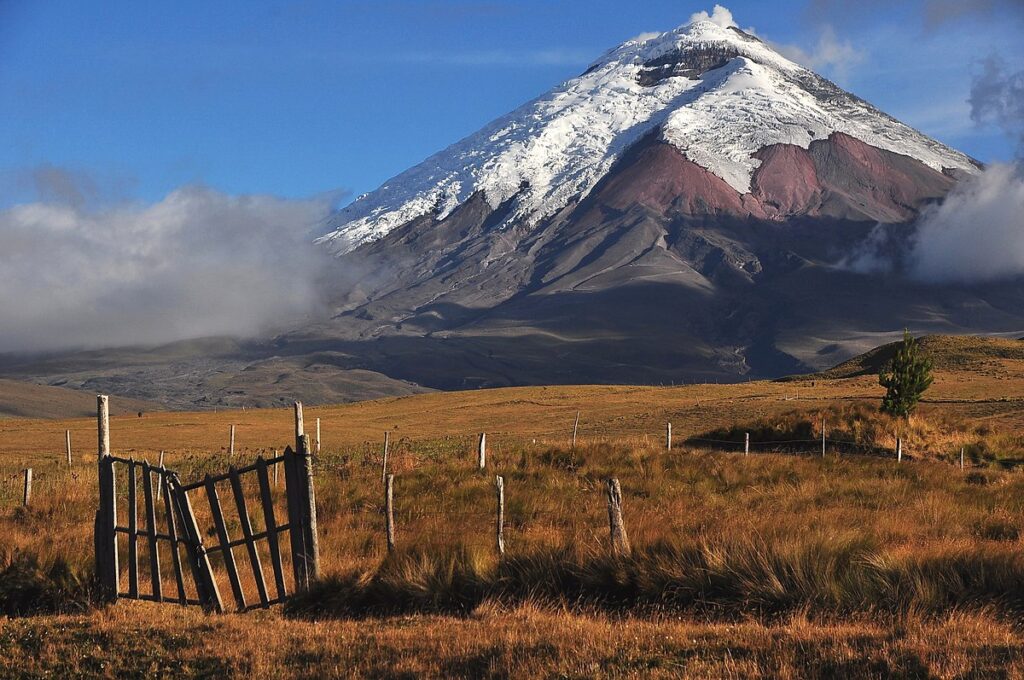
[716,94]
[676,212]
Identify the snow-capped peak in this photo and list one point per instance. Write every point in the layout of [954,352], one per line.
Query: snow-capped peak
[716,92]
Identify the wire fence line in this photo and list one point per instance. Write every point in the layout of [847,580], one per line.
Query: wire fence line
[56,473]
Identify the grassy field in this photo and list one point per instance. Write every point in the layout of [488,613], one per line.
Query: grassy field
[780,564]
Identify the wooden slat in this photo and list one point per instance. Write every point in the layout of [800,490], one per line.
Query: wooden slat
[206,585]
[172,530]
[224,476]
[133,532]
[154,553]
[222,535]
[270,522]
[250,542]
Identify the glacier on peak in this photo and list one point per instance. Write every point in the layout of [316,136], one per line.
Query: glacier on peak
[716,93]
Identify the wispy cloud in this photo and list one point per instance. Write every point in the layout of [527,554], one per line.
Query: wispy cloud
[831,55]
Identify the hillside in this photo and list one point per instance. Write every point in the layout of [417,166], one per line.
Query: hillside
[26,400]
[982,357]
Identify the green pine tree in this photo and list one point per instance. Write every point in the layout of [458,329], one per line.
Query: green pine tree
[905,378]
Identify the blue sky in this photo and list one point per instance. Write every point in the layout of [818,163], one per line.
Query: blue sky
[299,98]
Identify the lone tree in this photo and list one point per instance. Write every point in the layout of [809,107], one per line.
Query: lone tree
[905,378]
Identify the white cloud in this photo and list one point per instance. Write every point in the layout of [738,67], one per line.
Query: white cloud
[976,234]
[830,55]
[719,15]
[196,263]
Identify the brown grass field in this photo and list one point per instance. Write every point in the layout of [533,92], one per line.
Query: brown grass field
[780,564]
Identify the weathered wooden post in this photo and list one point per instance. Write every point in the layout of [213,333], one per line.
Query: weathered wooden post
[961,458]
[302,511]
[481,452]
[384,459]
[499,485]
[668,436]
[318,436]
[27,494]
[107,569]
[389,511]
[309,508]
[822,437]
[746,444]
[620,541]
[575,428]
[899,449]
[277,469]
[300,428]
[103,424]
[67,445]
[231,442]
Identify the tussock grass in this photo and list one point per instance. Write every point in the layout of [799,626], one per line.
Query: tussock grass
[30,586]
[859,428]
[718,579]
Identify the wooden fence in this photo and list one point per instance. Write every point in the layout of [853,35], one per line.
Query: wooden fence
[178,526]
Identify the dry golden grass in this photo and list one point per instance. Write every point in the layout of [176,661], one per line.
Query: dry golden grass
[138,640]
[760,566]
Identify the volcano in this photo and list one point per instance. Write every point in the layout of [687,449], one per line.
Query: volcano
[680,211]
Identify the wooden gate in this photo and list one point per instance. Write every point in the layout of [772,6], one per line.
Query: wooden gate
[171,520]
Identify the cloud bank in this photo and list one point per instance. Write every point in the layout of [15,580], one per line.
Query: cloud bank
[197,263]
[976,235]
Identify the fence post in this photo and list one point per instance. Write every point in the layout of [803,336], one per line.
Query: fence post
[384,460]
[300,428]
[961,458]
[67,445]
[309,511]
[668,437]
[231,442]
[481,452]
[822,437]
[106,517]
[899,449]
[575,428]
[27,495]
[318,436]
[298,480]
[620,541]
[389,511]
[499,485]
[746,444]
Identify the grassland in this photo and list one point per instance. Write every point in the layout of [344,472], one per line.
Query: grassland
[772,565]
